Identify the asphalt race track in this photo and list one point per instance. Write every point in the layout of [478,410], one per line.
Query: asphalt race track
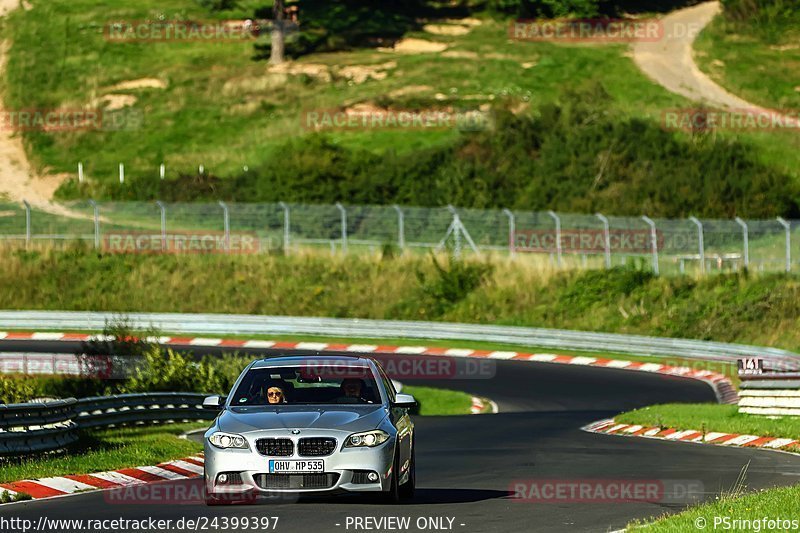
[466,465]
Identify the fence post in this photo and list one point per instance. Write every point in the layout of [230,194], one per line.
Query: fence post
[456,225]
[653,243]
[28,233]
[788,227]
[80,172]
[558,234]
[163,209]
[512,232]
[746,241]
[343,211]
[162,171]
[285,227]
[96,216]
[121,173]
[226,221]
[701,244]
[606,238]
[401,227]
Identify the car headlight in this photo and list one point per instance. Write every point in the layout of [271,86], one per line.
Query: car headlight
[367,439]
[227,440]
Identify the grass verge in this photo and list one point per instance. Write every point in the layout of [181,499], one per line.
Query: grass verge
[710,417]
[751,510]
[760,309]
[440,402]
[108,449]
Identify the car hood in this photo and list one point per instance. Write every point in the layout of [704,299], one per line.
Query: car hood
[344,418]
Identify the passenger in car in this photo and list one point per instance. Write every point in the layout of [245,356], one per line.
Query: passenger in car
[276,394]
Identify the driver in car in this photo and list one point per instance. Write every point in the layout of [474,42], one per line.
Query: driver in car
[353,391]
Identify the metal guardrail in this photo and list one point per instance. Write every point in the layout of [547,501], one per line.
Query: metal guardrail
[210,324]
[770,394]
[36,427]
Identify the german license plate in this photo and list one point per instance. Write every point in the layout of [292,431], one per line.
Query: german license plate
[295,467]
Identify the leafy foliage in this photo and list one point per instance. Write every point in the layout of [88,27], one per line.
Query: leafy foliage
[575,156]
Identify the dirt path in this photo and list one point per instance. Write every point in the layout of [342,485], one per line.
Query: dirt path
[18,180]
[670,62]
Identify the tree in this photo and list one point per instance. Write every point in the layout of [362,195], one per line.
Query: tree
[277,52]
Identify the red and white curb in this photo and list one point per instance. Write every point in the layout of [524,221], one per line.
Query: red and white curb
[49,487]
[723,388]
[612,427]
[483,405]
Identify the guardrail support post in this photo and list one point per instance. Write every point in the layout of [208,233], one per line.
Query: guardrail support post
[163,209]
[745,241]
[557,220]
[606,238]
[28,234]
[512,232]
[343,212]
[401,227]
[96,216]
[788,227]
[701,244]
[286,227]
[226,222]
[653,242]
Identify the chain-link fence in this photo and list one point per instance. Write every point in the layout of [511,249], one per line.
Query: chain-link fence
[564,240]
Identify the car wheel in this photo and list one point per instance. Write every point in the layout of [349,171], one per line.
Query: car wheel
[393,494]
[407,489]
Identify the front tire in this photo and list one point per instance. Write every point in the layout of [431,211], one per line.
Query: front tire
[408,488]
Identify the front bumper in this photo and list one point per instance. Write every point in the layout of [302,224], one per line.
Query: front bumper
[343,463]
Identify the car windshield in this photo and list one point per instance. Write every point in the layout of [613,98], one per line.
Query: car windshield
[329,383]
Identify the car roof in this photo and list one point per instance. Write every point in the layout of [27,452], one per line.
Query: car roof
[349,360]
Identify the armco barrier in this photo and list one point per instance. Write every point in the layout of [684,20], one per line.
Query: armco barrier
[770,394]
[36,427]
[210,324]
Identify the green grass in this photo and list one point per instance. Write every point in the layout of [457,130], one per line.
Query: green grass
[439,402]
[753,309]
[709,417]
[223,109]
[772,504]
[758,66]
[108,449]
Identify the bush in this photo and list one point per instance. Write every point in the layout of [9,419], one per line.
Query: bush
[575,156]
[442,289]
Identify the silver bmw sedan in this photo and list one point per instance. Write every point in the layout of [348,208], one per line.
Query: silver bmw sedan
[311,424]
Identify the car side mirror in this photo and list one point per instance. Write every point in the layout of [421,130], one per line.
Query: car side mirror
[404,401]
[214,402]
